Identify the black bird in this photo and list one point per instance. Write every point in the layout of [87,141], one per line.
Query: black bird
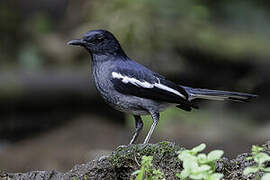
[131,87]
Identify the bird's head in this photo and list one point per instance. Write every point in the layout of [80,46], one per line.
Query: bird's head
[98,42]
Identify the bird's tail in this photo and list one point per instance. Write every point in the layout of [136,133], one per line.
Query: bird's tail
[217,95]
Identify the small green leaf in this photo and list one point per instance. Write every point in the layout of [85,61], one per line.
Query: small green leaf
[261,158]
[266,169]
[140,175]
[187,157]
[147,160]
[202,158]
[251,169]
[184,174]
[198,176]
[136,172]
[256,149]
[216,176]
[199,148]
[266,176]
[190,164]
[215,155]
[202,168]
[179,175]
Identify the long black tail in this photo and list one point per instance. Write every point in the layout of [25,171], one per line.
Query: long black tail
[217,95]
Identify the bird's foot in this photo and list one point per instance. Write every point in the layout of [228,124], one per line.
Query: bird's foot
[144,145]
[122,146]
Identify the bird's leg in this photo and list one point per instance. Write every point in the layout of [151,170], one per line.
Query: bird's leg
[138,125]
[155,117]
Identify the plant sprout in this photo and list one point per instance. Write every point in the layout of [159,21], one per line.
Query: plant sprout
[260,158]
[147,171]
[199,166]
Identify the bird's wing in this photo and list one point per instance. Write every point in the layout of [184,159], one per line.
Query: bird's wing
[147,84]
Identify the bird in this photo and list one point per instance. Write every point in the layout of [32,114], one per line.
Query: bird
[132,88]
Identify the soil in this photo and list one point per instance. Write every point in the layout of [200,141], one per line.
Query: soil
[126,159]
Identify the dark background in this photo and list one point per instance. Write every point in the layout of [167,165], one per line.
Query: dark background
[51,115]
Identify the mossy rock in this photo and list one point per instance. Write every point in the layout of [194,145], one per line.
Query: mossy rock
[126,159]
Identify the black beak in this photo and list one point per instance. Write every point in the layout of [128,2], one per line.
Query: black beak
[76,42]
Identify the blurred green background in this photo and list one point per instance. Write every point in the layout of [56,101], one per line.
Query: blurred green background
[51,115]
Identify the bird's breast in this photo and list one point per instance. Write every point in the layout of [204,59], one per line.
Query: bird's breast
[101,77]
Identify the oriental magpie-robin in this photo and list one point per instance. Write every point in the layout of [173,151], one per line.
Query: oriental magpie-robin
[131,87]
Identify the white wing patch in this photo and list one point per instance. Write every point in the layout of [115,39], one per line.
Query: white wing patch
[166,88]
[136,82]
[145,84]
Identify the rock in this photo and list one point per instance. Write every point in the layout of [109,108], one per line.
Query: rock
[126,159]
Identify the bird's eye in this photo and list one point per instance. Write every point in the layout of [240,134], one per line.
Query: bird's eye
[99,39]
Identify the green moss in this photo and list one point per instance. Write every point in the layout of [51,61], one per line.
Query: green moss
[131,154]
[123,155]
[149,150]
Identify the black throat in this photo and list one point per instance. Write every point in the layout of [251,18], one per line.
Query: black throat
[118,54]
